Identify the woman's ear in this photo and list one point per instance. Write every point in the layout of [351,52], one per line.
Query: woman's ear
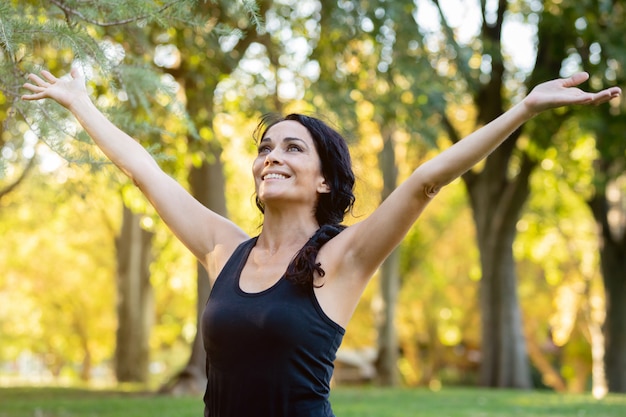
[323,187]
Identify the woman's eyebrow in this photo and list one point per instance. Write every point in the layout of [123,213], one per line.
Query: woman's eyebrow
[294,139]
[285,139]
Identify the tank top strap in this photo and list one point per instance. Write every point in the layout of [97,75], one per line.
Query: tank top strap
[233,267]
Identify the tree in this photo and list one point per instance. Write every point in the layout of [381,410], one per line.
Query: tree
[18,39]
[556,250]
[405,46]
[375,79]
[480,69]
[593,42]
[600,48]
[135,299]
[498,191]
[607,206]
[50,310]
[496,199]
[81,32]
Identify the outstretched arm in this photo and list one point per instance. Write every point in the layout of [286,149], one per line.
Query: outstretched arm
[195,225]
[120,148]
[452,163]
[392,220]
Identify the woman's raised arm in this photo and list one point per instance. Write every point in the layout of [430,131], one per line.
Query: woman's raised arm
[392,220]
[195,225]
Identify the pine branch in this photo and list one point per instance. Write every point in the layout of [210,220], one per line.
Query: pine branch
[68,10]
[252,8]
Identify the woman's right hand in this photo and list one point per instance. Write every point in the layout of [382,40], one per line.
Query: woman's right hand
[66,92]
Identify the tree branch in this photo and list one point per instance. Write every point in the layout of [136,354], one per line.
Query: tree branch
[461,61]
[6,190]
[68,10]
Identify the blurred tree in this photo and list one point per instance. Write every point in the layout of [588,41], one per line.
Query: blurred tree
[482,69]
[499,189]
[438,316]
[19,38]
[49,309]
[592,34]
[134,243]
[601,51]
[558,266]
[373,79]
[78,31]
[135,304]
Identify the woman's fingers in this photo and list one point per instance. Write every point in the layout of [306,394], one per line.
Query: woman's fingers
[614,92]
[75,72]
[37,92]
[31,87]
[576,79]
[63,90]
[48,76]
[38,80]
[565,91]
[37,85]
[47,80]
[35,96]
[605,95]
[595,98]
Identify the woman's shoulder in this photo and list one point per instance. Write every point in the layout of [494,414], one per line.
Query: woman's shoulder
[222,251]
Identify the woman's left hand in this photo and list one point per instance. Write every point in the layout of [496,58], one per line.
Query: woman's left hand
[563,91]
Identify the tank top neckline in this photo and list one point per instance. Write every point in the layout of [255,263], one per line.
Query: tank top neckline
[250,244]
[246,248]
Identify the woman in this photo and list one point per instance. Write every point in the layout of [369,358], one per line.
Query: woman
[280,301]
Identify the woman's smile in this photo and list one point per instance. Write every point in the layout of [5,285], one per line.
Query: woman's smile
[274,176]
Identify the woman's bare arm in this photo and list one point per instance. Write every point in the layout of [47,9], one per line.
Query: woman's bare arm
[391,221]
[197,227]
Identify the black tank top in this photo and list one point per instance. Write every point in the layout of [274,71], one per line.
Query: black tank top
[269,354]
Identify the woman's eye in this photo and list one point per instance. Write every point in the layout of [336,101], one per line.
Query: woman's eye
[264,149]
[294,148]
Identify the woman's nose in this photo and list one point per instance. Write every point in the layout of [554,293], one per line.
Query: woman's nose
[272,158]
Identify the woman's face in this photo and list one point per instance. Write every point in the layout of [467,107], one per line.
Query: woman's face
[287,168]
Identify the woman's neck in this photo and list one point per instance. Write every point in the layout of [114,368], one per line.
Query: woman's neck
[286,230]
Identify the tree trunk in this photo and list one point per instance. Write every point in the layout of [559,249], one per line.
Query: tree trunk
[135,300]
[497,195]
[496,206]
[613,266]
[544,362]
[191,380]
[387,360]
[207,185]
[599,387]
[388,348]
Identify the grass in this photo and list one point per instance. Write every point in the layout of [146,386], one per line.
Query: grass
[472,402]
[347,402]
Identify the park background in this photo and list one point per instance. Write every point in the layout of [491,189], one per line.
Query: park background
[514,277]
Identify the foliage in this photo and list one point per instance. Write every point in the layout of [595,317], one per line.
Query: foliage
[558,255]
[95,37]
[59,276]
[438,315]
[61,317]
